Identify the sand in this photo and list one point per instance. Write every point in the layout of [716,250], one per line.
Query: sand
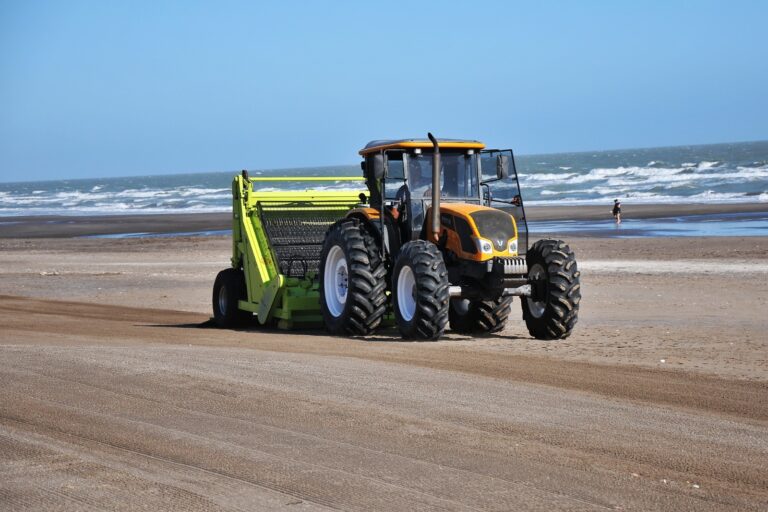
[113,397]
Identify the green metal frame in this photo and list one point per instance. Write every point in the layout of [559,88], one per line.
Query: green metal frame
[291,301]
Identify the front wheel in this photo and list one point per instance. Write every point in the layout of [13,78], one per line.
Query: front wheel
[420,291]
[553,309]
[228,290]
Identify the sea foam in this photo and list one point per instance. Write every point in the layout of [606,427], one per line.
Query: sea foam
[703,174]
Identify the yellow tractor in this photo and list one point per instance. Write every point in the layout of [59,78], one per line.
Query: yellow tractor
[424,245]
[427,242]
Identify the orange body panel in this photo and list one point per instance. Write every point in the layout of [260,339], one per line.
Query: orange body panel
[365,213]
[453,242]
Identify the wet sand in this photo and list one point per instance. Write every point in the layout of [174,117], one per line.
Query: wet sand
[53,226]
[112,395]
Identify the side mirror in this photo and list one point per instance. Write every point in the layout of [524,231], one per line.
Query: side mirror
[502,166]
[379,166]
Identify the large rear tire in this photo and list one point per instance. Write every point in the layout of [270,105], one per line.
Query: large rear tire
[553,314]
[228,289]
[420,291]
[352,280]
[479,316]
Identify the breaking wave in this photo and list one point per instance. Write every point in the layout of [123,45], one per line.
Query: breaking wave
[696,174]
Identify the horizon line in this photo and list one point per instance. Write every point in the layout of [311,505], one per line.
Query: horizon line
[193,173]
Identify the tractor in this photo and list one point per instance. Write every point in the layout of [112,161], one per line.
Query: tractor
[426,245]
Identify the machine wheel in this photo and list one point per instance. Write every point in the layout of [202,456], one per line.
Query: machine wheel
[228,289]
[552,267]
[352,280]
[420,291]
[479,316]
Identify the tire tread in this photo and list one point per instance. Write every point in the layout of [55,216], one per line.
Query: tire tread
[563,289]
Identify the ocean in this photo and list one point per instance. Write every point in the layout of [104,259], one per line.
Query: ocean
[736,172]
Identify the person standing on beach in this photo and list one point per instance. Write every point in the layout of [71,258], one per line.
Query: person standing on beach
[616,211]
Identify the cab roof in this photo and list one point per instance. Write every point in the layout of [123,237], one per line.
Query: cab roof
[378,145]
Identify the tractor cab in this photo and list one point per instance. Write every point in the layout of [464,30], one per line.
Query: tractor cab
[399,175]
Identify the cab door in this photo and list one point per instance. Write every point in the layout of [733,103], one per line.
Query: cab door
[504,193]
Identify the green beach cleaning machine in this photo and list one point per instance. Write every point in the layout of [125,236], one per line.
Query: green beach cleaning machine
[417,244]
[276,242]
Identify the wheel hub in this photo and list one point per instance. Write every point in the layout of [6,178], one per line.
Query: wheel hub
[406,293]
[336,281]
[222,299]
[342,283]
[537,304]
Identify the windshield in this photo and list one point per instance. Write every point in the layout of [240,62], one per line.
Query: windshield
[458,175]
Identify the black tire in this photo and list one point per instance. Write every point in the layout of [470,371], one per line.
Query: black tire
[364,299]
[554,315]
[228,289]
[479,316]
[426,316]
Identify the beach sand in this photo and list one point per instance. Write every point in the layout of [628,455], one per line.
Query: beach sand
[114,396]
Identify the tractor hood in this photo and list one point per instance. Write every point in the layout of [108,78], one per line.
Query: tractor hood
[494,225]
[478,232]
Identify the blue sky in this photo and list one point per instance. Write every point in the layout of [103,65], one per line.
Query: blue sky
[93,89]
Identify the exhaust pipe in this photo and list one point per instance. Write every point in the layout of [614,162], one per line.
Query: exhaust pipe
[435,187]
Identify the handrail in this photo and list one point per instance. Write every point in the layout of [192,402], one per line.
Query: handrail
[308,178]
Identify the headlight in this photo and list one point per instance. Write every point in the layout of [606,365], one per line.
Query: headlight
[513,246]
[485,246]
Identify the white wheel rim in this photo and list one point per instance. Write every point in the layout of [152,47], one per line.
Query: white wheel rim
[406,293]
[536,307]
[223,300]
[336,281]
